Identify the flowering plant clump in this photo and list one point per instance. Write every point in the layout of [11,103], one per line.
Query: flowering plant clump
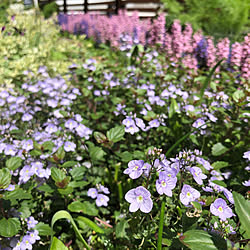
[122,149]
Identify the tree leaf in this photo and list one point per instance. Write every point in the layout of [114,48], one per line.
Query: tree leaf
[10,227]
[116,134]
[242,208]
[198,239]
[82,221]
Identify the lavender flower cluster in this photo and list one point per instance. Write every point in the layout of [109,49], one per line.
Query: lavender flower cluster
[168,171]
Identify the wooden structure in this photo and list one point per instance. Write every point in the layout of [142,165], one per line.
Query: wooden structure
[146,8]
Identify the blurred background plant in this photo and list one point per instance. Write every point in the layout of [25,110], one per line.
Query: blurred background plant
[49,9]
[4,4]
[218,18]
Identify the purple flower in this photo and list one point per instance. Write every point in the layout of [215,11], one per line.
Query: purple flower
[69,146]
[26,117]
[165,184]
[26,173]
[52,103]
[154,123]
[140,199]
[92,192]
[10,150]
[140,123]
[221,209]
[247,155]
[51,128]
[134,169]
[204,163]
[103,189]
[31,222]
[83,131]
[198,175]
[102,200]
[10,187]
[70,124]
[27,145]
[128,122]
[188,194]
[33,236]
[131,129]
[228,195]
[246,183]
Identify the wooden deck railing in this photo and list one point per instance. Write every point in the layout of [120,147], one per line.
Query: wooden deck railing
[146,8]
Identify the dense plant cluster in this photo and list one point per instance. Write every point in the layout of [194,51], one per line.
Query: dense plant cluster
[133,150]
[182,47]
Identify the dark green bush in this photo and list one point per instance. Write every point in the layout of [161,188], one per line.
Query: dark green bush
[49,9]
[4,4]
[219,18]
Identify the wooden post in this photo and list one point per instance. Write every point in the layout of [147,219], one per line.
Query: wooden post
[85,6]
[65,6]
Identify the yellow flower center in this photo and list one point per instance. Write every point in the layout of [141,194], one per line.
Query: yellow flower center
[220,209]
[163,184]
[140,198]
[188,194]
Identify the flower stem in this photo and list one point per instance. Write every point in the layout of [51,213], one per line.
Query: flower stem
[159,242]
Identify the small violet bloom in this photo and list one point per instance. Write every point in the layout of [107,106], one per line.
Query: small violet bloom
[140,199]
[188,194]
[221,209]
[31,222]
[165,184]
[92,192]
[102,200]
[135,169]
[198,175]
[247,155]
[69,146]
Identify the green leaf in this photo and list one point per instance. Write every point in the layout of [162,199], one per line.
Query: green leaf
[77,173]
[198,239]
[17,194]
[208,79]
[76,184]
[220,183]
[46,188]
[219,164]
[84,207]
[43,229]
[173,108]
[13,163]
[82,221]
[218,149]
[57,174]
[197,205]
[96,153]
[60,154]
[120,229]
[62,214]
[125,156]
[48,145]
[100,137]
[242,208]
[116,134]
[10,227]
[237,95]
[68,164]
[57,245]
[5,178]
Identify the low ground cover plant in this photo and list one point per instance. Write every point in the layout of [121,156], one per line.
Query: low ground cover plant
[124,150]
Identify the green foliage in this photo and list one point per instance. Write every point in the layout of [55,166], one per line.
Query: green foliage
[242,208]
[4,4]
[218,18]
[49,9]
